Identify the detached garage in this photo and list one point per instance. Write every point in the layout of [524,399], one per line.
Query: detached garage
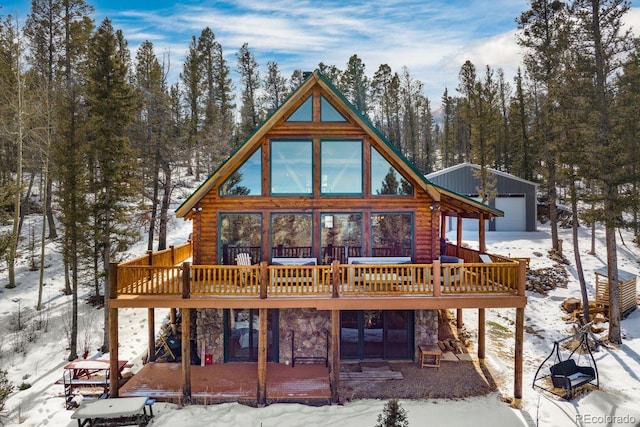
[516,197]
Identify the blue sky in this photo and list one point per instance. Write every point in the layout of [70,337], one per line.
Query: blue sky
[432,38]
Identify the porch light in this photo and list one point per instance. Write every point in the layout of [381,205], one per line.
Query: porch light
[434,206]
[197,208]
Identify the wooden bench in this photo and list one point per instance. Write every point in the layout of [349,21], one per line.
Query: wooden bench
[429,356]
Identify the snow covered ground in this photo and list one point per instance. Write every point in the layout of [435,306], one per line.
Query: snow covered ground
[44,355]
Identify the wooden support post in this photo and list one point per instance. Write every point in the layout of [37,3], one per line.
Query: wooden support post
[518,359]
[114,381]
[436,278]
[261,395]
[263,279]
[186,356]
[458,236]
[459,319]
[334,356]
[443,227]
[482,236]
[481,334]
[336,279]
[151,335]
[186,280]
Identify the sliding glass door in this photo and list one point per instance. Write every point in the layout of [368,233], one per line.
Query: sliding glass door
[376,334]
[241,335]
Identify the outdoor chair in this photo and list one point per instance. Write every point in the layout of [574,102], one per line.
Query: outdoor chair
[247,275]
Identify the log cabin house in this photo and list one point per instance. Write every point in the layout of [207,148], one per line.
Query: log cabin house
[344,237]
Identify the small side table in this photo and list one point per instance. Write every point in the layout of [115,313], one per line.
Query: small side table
[429,356]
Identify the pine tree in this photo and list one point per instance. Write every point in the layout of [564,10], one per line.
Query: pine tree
[393,415]
[217,98]
[152,123]
[112,104]
[250,110]
[355,84]
[523,151]
[275,88]
[544,39]
[191,78]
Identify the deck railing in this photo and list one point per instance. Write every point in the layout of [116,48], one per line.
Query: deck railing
[325,280]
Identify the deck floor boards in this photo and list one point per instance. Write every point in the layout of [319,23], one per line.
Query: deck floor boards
[230,382]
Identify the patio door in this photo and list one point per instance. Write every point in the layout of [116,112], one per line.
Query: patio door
[376,334]
[241,335]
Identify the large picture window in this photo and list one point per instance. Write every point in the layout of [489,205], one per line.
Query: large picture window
[240,233]
[341,164]
[341,236]
[291,235]
[291,167]
[391,234]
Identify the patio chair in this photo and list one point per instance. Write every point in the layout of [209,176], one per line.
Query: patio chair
[244,259]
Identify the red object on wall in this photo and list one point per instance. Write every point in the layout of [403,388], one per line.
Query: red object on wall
[208,359]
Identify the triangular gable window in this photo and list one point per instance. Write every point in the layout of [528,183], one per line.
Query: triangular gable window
[247,179]
[385,179]
[304,113]
[329,113]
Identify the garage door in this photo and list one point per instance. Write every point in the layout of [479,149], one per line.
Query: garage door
[515,216]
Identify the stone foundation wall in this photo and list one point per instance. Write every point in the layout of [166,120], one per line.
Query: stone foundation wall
[210,331]
[310,327]
[426,328]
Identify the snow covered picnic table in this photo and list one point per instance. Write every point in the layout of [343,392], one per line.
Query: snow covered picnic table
[125,410]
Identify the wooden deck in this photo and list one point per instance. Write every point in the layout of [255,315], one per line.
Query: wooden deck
[158,280]
[231,382]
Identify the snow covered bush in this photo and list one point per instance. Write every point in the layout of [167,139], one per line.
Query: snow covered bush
[5,388]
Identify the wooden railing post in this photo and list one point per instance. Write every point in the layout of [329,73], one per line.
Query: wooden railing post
[150,257]
[173,254]
[436,278]
[522,277]
[264,279]
[186,280]
[113,280]
[336,279]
